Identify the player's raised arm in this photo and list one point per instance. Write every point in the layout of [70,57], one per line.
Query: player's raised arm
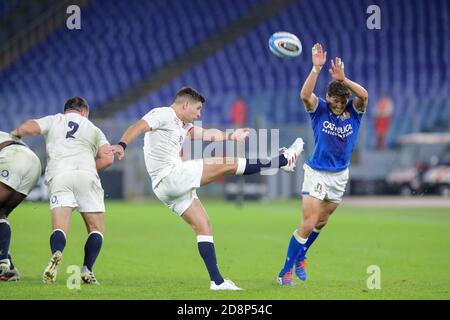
[28,128]
[129,136]
[199,133]
[307,93]
[361,95]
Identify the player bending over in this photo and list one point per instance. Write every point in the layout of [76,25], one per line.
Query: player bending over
[76,149]
[335,122]
[175,181]
[20,170]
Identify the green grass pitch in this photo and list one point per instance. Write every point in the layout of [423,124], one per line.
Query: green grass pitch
[150,253]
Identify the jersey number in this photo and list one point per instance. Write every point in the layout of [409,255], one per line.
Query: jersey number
[74,127]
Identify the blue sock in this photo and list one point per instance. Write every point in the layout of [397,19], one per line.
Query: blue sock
[295,247]
[5,238]
[57,240]
[251,168]
[313,236]
[92,249]
[208,253]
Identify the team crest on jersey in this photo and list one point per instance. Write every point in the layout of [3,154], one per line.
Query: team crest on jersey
[5,173]
[54,200]
[345,115]
[318,188]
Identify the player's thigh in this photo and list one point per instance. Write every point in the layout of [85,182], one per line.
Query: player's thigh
[312,207]
[61,193]
[180,181]
[214,168]
[197,217]
[9,200]
[327,209]
[95,221]
[61,218]
[89,193]
[6,192]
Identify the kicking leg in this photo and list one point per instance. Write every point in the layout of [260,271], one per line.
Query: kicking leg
[197,217]
[95,225]
[214,168]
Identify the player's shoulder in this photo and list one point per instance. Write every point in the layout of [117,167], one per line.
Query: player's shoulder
[51,119]
[160,111]
[353,109]
[321,104]
[161,115]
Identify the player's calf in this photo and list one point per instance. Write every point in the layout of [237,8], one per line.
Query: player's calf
[5,238]
[92,249]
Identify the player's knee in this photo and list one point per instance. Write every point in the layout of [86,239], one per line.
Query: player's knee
[204,228]
[96,227]
[321,224]
[5,211]
[228,168]
[3,215]
[309,225]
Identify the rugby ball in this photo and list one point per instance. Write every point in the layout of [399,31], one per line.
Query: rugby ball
[285,45]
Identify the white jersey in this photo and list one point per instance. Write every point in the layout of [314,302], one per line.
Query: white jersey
[162,145]
[72,143]
[9,137]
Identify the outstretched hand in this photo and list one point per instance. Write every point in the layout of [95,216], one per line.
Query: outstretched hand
[240,135]
[118,149]
[337,69]
[319,57]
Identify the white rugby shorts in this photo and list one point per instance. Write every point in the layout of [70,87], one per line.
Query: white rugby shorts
[78,189]
[324,185]
[20,168]
[178,189]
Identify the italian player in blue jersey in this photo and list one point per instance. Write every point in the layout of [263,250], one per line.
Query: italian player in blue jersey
[335,122]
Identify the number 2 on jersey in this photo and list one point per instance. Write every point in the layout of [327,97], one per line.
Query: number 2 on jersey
[74,127]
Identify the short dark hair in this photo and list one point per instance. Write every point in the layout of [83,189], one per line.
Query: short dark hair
[337,89]
[190,93]
[76,103]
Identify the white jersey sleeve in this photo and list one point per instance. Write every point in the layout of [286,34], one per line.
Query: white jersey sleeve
[158,117]
[45,124]
[101,138]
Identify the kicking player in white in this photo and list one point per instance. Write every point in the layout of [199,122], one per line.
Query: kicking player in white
[20,170]
[76,149]
[175,181]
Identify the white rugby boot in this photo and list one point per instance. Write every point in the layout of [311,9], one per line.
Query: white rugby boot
[292,153]
[226,285]
[88,276]
[51,270]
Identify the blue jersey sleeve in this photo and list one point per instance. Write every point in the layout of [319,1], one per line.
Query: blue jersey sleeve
[355,113]
[321,108]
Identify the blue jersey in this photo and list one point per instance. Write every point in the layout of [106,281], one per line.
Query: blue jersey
[334,136]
